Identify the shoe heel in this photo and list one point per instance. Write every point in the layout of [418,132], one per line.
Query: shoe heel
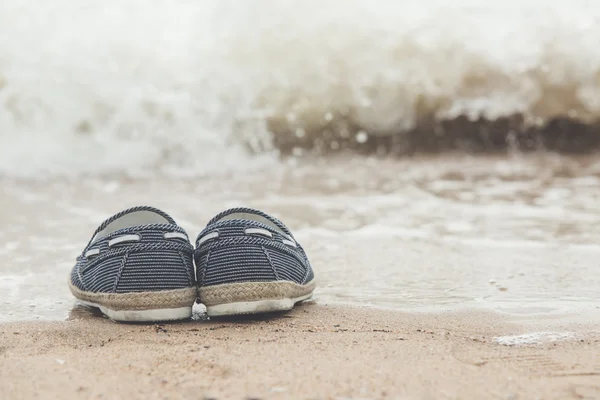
[253,297]
[166,305]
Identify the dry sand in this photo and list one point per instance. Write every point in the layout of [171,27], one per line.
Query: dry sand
[313,352]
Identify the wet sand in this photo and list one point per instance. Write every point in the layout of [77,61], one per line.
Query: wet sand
[511,235]
[314,352]
[481,274]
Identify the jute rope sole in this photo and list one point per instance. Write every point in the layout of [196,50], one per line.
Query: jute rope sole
[164,299]
[254,291]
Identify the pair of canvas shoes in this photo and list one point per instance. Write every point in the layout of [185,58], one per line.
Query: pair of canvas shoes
[139,266]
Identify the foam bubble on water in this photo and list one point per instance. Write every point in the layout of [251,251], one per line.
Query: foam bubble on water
[535,338]
[186,88]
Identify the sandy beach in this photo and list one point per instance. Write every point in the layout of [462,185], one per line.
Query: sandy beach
[314,352]
[439,280]
[438,163]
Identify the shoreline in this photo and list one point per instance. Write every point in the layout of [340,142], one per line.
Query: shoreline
[315,351]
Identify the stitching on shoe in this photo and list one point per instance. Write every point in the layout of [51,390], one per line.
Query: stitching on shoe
[305,263]
[185,265]
[253,240]
[81,277]
[205,267]
[120,272]
[307,268]
[140,247]
[270,262]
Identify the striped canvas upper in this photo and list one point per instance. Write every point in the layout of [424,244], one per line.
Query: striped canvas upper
[147,257]
[247,245]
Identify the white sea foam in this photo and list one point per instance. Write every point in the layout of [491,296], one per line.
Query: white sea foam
[186,87]
[535,338]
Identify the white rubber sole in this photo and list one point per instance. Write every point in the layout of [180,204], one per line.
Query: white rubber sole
[164,305]
[163,314]
[254,307]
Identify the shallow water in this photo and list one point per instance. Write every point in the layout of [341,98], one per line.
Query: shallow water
[513,234]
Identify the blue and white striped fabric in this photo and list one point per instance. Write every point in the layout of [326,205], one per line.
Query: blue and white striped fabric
[139,258]
[246,245]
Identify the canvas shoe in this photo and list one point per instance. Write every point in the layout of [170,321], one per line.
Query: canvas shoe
[138,266]
[248,262]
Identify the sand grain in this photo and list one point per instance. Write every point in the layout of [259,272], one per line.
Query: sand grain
[313,352]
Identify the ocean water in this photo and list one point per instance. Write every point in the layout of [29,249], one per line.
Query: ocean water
[195,106]
[201,87]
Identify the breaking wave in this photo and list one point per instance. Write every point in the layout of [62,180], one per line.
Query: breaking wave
[197,87]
